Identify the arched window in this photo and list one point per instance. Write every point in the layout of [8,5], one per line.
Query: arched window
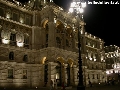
[11,56]
[58,74]
[46,72]
[58,41]
[68,75]
[67,43]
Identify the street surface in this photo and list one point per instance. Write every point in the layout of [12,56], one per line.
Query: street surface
[110,87]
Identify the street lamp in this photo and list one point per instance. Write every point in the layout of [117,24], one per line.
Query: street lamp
[77,7]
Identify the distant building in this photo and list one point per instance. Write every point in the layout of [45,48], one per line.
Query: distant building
[95,60]
[38,43]
[112,55]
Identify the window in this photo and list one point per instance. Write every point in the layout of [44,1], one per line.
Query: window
[13,39]
[97,76]
[24,74]
[46,27]
[1,12]
[26,41]
[11,55]
[58,41]
[88,76]
[25,58]
[46,40]
[67,43]
[27,20]
[15,16]
[93,76]
[10,73]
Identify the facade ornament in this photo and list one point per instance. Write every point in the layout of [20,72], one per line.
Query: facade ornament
[5,34]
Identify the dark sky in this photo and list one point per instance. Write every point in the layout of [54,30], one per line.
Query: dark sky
[101,20]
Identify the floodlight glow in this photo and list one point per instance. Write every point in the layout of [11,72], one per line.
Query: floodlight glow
[73,4]
[81,10]
[71,10]
[83,4]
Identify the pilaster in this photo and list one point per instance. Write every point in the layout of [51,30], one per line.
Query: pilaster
[51,34]
[51,72]
[75,75]
[65,73]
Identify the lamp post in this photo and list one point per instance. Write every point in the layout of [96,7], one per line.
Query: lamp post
[77,7]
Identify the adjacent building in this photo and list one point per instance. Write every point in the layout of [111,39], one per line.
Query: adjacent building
[39,43]
[112,57]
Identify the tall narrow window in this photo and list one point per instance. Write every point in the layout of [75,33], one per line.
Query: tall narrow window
[13,39]
[25,58]
[11,56]
[58,74]
[93,76]
[58,41]
[28,20]
[46,40]
[88,76]
[26,41]
[1,12]
[67,43]
[97,76]
[24,74]
[46,73]
[15,16]
[68,75]
[10,73]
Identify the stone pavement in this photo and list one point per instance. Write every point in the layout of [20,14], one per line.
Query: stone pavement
[110,87]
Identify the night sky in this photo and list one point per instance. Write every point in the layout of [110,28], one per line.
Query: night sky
[101,20]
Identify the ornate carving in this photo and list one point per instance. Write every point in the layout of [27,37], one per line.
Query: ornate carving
[3,51]
[20,37]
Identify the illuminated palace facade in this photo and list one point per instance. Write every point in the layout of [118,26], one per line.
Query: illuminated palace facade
[112,57]
[38,43]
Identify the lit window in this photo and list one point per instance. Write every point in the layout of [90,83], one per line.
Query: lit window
[8,15]
[21,20]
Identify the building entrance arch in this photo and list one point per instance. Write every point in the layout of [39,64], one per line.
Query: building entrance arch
[58,73]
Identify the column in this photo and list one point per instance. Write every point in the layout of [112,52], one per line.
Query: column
[75,75]
[51,34]
[51,72]
[71,76]
[65,73]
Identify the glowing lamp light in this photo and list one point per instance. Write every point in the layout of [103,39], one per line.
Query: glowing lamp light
[73,4]
[81,10]
[21,20]
[55,20]
[19,44]
[107,72]
[71,10]
[5,41]
[8,16]
[83,4]
[90,58]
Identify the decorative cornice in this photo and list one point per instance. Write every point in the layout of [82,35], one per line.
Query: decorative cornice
[15,22]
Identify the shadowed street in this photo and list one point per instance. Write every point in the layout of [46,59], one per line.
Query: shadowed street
[109,87]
